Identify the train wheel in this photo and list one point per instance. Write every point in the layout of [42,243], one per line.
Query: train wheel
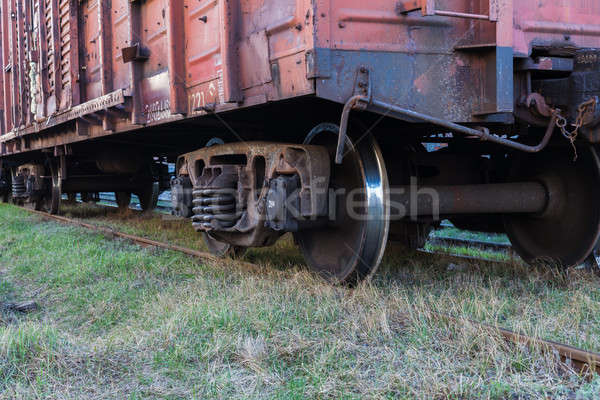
[351,248]
[87,197]
[221,249]
[148,196]
[567,232]
[72,198]
[49,201]
[6,185]
[123,200]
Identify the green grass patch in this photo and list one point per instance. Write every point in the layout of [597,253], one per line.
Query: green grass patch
[121,321]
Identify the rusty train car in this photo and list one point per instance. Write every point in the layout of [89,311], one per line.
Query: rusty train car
[312,117]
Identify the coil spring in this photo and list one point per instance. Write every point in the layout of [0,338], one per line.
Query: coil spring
[18,186]
[214,209]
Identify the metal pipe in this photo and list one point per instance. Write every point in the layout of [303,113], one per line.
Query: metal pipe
[500,198]
[348,107]
[482,134]
[380,107]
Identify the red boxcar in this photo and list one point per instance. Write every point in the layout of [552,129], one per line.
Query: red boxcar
[99,95]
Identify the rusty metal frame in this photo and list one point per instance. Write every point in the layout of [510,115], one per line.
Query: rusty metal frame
[102,103]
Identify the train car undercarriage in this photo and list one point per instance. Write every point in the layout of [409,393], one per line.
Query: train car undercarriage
[343,189]
[248,194]
[340,201]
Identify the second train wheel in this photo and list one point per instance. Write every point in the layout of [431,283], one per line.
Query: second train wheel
[567,232]
[88,197]
[123,200]
[148,196]
[50,200]
[5,181]
[350,248]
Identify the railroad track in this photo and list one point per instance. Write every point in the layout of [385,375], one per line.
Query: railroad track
[585,362]
[163,204]
[164,207]
[459,242]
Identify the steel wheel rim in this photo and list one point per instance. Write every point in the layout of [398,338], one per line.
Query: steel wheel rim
[360,248]
[578,236]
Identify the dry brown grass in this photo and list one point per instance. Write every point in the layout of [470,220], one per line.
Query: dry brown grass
[122,322]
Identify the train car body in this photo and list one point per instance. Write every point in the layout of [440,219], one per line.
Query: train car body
[96,95]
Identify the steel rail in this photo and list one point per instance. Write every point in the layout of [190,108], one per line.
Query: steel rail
[111,233]
[586,362]
[457,242]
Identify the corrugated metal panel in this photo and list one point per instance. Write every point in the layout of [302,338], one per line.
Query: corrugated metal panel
[21,84]
[62,53]
[65,52]
[90,30]
[53,55]
[7,66]
[39,79]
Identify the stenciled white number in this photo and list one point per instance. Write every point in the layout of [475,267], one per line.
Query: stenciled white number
[157,110]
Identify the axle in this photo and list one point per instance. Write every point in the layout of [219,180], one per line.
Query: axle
[500,198]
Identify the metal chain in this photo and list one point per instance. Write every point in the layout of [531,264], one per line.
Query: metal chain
[561,122]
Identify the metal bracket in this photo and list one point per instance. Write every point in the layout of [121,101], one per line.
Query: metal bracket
[136,52]
[359,101]
[362,84]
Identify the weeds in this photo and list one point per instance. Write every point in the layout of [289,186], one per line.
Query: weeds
[120,321]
